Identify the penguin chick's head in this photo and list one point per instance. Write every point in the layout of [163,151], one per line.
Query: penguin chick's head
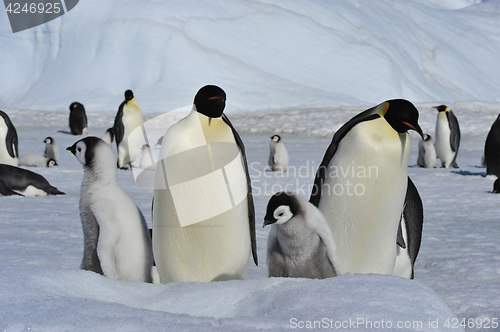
[426,137]
[129,95]
[402,116]
[85,150]
[441,108]
[48,140]
[281,208]
[51,163]
[210,101]
[276,138]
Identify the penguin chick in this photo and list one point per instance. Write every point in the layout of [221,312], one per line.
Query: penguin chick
[426,152]
[115,232]
[278,157]
[34,160]
[300,243]
[51,150]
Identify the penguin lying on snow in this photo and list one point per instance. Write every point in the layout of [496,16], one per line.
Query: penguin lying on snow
[51,150]
[77,119]
[426,152]
[447,136]
[278,157]
[300,243]
[26,183]
[9,151]
[35,160]
[362,182]
[117,242]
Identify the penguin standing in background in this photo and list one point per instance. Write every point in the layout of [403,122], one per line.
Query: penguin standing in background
[9,151]
[109,136]
[492,149]
[35,160]
[128,118]
[278,157]
[117,242]
[361,184]
[203,211]
[77,119]
[300,243]
[51,150]
[426,152]
[447,137]
[496,187]
[25,182]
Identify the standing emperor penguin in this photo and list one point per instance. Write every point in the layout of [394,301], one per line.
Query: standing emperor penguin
[492,149]
[361,185]
[116,238]
[9,151]
[128,118]
[203,212]
[426,152]
[447,137]
[278,157]
[51,150]
[77,119]
[300,243]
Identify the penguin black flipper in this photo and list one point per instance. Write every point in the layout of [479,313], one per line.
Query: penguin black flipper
[330,152]
[413,213]
[118,127]
[6,191]
[18,179]
[251,208]
[454,135]
[11,139]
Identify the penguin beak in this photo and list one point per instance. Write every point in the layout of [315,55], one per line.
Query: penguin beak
[268,222]
[416,128]
[72,149]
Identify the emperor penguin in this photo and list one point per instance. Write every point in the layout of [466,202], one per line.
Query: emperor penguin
[361,184]
[116,238]
[492,149]
[77,119]
[496,187]
[35,160]
[51,150]
[300,243]
[25,182]
[108,136]
[447,136]
[278,157]
[128,118]
[9,151]
[203,211]
[426,152]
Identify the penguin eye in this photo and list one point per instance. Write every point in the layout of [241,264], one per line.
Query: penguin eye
[281,214]
[79,149]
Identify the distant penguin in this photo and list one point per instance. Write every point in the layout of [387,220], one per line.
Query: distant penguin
[77,119]
[492,149]
[447,137]
[26,183]
[361,184]
[203,212]
[426,152]
[51,150]
[128,118]
[300,243]
[9,151]
[278,157]
[409,233]
[109,136]
[35,160]
[116,237]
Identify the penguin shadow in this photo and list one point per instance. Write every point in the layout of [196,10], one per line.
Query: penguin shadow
[469,173]
[65,132]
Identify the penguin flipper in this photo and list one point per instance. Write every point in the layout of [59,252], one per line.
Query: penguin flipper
[6,191]
[11,139]
[118,127]
[400,239]
[330,152]
[454,131]
[414,218]
[251,207]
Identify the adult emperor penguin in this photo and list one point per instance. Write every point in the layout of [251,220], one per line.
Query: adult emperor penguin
[492,149]
[447,137]
[426,152]
[51,150]
[128,118]
[203,212]
[77,119]
[116,238]
[25,182]
[300,243]
[361,183]
[35,160]
[278,157]
[9,151]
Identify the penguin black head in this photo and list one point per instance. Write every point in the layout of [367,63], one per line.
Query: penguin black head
[276,138]
[129,95]
[496,187]
[402,116]
[51,162]
[441,108]
[210,101]
[281,208]
[84,150]
[75,105]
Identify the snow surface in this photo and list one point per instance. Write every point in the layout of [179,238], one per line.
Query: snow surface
[266,54]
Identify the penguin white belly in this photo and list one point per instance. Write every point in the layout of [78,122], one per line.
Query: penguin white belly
[402,268]
[5,157]
[443,146]
[200,213]
[133,137]
[363,196]
[280,159]
[31,191]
